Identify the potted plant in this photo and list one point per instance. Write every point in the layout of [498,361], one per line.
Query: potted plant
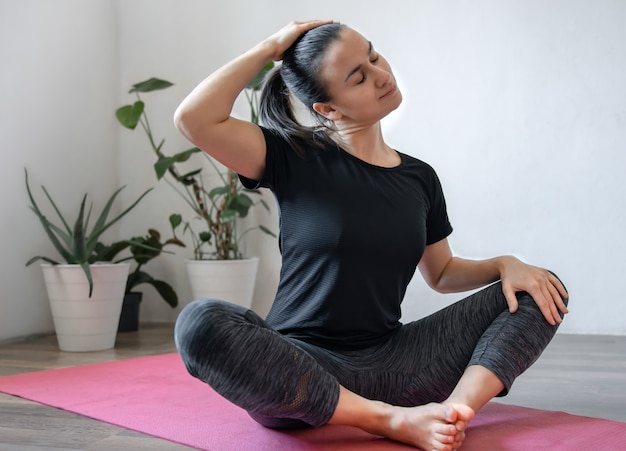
[143,249]
[85,291]
[215,209]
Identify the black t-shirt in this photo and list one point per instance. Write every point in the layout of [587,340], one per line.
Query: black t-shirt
[351,235]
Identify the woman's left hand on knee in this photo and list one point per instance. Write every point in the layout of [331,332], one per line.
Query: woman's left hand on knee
[542,285]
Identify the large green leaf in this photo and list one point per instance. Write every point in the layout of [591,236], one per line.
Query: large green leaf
[163,288]
[219,191]
[137,278]
[100,227]
[240,203]
[145,249]
[162,165]
[175,220]
[39,257]
[65,253]
[48,228]
[129,115]
[58,212]
[79,248]
[165,163]
[184,155]
[86,224]
[244,200]
[108,253]
[67,238]
[152,84]
[87,272]
[166,291]
[122,214]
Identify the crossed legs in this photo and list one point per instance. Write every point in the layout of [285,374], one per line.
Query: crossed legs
[283,383]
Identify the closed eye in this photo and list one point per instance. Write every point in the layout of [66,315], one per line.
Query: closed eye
[364,77]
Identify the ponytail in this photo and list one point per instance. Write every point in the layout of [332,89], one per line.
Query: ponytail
[275,109]
[298,75]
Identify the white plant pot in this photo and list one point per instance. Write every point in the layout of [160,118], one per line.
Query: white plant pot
[225,280]
[84,323]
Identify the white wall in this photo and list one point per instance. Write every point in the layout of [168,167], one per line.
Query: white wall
[519,105]
[522,109]
[59,68]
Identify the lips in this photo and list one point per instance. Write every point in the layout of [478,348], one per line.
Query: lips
[391,90]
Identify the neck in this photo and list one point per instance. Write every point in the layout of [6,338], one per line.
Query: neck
[367,144]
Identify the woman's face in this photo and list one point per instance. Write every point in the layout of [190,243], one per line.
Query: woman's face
[359,81]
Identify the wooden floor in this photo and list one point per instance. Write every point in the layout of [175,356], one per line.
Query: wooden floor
[579,374]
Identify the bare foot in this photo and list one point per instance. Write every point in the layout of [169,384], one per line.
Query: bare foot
[464,415]
[429,427]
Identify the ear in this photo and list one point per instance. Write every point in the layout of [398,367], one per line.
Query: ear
[327,111]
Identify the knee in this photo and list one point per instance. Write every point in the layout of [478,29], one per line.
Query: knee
[527,302]
[200,326]
[201,310]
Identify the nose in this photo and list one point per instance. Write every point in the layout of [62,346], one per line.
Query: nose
[383,77]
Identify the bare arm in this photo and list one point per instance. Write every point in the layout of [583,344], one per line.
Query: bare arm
[446,273]
[204,116]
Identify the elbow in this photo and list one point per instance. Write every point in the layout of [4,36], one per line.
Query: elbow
[194,125]
[181,119]
[187,123]
[440,287]
[435,283]
[178,118]
[438,278]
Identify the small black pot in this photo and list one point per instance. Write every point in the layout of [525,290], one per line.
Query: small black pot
[129,318]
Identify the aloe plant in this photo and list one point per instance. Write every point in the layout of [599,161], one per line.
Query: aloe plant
[216,209]
[77,245]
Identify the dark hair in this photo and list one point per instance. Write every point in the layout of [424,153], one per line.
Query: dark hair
[299,75]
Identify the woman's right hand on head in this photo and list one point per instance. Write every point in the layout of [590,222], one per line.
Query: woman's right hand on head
[286,36]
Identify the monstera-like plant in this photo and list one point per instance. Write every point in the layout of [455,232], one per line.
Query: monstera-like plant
[215,209]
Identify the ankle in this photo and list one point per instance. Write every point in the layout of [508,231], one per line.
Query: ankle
[380,419]
[477,387]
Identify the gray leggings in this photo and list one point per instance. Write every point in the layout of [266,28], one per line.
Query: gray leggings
[286,383]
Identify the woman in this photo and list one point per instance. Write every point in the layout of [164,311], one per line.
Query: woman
[357,218]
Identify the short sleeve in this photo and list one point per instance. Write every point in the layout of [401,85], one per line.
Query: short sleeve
[275,146]
[438,224]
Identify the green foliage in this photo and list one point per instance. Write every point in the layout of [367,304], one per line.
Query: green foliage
[216,210]
[77,245]
[144,249]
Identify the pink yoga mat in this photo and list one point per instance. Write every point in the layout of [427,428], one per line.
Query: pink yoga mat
[156,396]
